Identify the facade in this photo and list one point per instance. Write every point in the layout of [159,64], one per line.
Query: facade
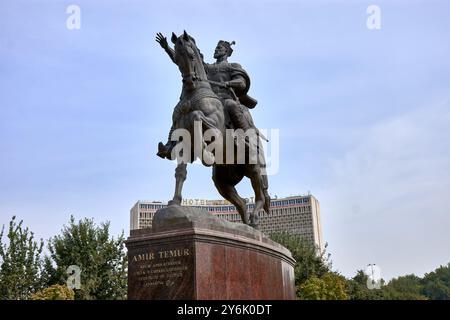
[297,215]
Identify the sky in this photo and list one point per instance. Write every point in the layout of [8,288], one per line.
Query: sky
[363,115]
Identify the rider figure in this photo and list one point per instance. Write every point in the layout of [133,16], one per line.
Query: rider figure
[229,81]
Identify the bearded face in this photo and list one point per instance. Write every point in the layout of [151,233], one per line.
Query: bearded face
[220,51]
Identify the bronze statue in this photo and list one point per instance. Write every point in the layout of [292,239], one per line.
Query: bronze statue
[215,95]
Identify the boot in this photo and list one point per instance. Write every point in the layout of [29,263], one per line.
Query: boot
[165,150]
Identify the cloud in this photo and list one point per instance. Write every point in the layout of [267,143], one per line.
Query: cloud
[388,197]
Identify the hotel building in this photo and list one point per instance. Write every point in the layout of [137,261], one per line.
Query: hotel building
[297,215]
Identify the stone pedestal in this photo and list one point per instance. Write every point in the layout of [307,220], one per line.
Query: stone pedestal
[190,254]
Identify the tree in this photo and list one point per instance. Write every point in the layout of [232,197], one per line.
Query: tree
[55,292]
[402,288]
[309,261]
[102,260]
[20,261]
[330,286]
[407,287]
[357,288]
[436,284]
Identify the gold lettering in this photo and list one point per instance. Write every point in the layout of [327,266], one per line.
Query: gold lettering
[175,253]
[143,257]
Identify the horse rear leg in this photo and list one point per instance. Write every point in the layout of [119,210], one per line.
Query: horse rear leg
[229,192]
[265,188]
[254,174]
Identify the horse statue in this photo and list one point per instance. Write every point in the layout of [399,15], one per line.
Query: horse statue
[200,110]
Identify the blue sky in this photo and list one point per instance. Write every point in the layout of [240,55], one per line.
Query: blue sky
[364,115]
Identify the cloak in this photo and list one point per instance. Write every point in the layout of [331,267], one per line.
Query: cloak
[244,98]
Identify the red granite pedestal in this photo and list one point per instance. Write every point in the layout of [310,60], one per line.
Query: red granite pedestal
[190,254]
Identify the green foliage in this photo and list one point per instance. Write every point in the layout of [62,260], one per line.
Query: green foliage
[357,288]
[310,263]
[314,278]
[55,292]
[436,284]
[407,287]
[330,286]
[20,263]
[102,260]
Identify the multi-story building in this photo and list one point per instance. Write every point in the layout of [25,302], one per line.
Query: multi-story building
[297,215]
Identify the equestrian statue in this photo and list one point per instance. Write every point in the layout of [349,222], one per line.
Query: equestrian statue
[214,103]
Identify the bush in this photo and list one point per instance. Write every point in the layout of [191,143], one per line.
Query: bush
[331,286]
[55,292]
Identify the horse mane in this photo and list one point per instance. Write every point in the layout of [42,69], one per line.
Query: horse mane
[198,50]
[199,54]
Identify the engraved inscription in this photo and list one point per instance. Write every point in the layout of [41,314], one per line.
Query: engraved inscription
[160,267]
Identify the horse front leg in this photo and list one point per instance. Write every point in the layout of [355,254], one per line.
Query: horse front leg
[180,177]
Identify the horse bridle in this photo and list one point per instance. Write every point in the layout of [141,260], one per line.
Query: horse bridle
[190,76]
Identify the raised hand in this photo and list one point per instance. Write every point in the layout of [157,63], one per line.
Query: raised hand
[162,40]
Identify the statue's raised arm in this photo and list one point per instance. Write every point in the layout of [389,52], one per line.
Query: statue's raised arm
[165,45]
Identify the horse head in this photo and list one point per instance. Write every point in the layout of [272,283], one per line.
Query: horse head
[188,59]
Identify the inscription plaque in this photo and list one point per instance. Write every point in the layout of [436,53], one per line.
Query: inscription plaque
[163,271]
